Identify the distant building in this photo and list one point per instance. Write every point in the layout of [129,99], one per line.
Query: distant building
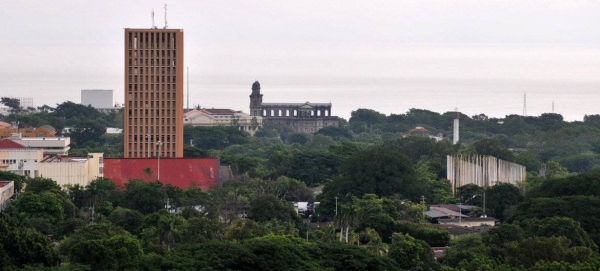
[7,130]
[223,117]
[153,116]
[422,131]
[97,98]
[179,172]
[302,117]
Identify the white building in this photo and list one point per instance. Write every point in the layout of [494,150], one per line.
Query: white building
[223,117]
[49,145]
[97,98]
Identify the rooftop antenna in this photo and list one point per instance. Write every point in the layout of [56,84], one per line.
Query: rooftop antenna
[152,14]
[524,104]
[166,25]
[188,88]
[552,106]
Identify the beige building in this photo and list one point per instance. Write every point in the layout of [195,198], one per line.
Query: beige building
[223,117]
[73,170]
[32,163]
[153,116]
[19,159]
[7,190]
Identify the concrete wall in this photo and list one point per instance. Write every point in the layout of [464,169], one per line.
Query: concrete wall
[71,171]
[483,171]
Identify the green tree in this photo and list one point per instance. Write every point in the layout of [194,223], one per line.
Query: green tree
[532,250]
[130,220]
[268,207]
[471,194]
[501,196]
[40,184]
[410,253]
[379,171]
[13,104]
[146,197]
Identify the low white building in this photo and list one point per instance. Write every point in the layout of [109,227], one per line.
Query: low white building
[49,145]
[223,117]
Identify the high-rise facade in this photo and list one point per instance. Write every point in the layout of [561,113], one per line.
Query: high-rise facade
[153,116]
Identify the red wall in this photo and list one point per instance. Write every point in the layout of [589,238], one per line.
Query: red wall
[180,172]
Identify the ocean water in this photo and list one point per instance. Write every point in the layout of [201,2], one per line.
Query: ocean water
[489,79]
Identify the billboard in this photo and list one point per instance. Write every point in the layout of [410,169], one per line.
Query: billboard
[179,172]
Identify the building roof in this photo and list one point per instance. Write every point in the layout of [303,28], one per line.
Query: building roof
[436,212]
[5,183]
[219,111]
[9,144]
[5,124]
[48,127]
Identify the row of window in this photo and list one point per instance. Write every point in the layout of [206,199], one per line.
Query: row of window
[150,87]
[150,53]
[147,95]
[149,40]
[165,62]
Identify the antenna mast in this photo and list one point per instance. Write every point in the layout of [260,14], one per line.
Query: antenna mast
[552,106]
[166,25]
[524,104]
[152,14]
[188,87]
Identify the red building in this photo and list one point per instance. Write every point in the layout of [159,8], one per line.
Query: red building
[180,172]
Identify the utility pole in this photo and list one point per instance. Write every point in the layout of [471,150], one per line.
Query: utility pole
[336,198]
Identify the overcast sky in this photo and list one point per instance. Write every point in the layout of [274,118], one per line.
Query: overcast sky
[50,50]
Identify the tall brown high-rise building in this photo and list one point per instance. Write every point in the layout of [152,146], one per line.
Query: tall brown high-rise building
[153,117]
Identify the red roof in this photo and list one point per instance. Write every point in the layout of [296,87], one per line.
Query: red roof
[180,172]
[4,183]
[9,144]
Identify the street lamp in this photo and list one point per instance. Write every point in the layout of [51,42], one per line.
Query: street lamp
[159,143]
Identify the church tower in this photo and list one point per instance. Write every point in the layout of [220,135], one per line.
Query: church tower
[256,100]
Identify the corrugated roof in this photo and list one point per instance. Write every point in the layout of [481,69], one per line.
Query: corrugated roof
[435,212]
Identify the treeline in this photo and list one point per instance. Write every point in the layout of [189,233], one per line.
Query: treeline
[86,125]
[251,225]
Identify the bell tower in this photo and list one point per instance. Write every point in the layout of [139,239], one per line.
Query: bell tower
[256,100]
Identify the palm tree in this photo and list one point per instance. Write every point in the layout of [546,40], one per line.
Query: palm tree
[168,231]
[375,244]
[148,172]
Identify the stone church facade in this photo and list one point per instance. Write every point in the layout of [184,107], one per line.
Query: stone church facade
[302,117]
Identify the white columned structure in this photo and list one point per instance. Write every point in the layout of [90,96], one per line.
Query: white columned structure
[455,130]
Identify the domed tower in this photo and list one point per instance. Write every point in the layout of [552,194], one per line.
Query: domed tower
[256,100]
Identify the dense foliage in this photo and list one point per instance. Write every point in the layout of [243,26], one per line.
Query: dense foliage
[375,179]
